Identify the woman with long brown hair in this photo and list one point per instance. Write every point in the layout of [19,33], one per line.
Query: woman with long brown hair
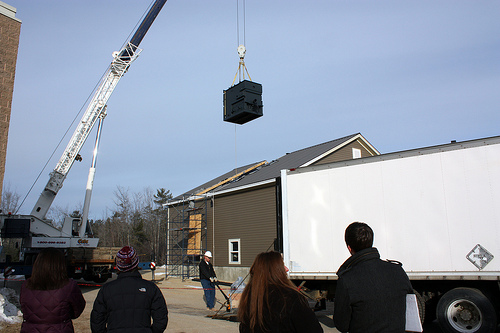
[271,302]
[49,300]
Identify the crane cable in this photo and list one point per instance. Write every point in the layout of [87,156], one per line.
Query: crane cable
[238,22]
[241,66]
[77,116]
[56,148]
[241,47]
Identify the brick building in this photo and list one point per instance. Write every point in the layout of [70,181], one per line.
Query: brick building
[10,28]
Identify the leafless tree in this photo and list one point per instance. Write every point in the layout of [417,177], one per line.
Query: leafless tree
[138,220]
[10,200]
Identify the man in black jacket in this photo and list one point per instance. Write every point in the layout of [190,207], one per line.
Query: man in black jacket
[371,293]
[129,303]
[207,279]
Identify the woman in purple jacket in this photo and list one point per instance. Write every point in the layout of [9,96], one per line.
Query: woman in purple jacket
[49,300]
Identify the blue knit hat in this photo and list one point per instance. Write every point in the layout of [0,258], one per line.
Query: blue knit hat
[126,259]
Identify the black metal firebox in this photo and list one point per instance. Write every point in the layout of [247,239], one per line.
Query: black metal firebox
[243,102]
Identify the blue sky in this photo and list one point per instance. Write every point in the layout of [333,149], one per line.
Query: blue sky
[405,74]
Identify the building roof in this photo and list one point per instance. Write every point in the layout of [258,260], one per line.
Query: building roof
[8,11]
[268,172]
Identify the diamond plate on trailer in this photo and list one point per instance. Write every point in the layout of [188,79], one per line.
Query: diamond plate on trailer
[479,256]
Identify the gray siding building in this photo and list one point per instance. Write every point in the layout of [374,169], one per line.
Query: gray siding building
[238,213]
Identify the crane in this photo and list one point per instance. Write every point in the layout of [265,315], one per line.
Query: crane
[118,67]
[33,228]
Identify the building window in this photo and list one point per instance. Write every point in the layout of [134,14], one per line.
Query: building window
[356,153]
[234,251]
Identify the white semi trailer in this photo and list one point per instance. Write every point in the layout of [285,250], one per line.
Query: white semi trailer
[435,209]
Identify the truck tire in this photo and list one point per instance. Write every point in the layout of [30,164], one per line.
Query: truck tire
[29,260]
[466,310]
[421,306]
[88,275]
[101,279]
[76,276]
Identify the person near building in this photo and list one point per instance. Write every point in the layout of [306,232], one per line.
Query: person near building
[208,279]
[129,303]
[49,299]
[270,302]
[371,293]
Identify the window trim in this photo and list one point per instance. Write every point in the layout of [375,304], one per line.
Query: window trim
[356,153]
[230,251]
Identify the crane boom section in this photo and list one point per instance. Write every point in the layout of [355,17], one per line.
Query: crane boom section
[147,22]
[96,107]
[113,75]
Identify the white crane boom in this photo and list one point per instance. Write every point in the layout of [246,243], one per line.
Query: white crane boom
[96,107]
[95,110]
[114,73]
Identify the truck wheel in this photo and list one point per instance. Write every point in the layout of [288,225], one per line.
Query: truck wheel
[464,310]
[101,278]
[77,276]
[29,260]
[421,306]
[88,275]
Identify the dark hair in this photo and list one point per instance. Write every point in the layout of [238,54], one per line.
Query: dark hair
[268,269]
[49,271]
[359,236]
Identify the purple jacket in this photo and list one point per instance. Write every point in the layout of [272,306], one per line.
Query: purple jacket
[51,310]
